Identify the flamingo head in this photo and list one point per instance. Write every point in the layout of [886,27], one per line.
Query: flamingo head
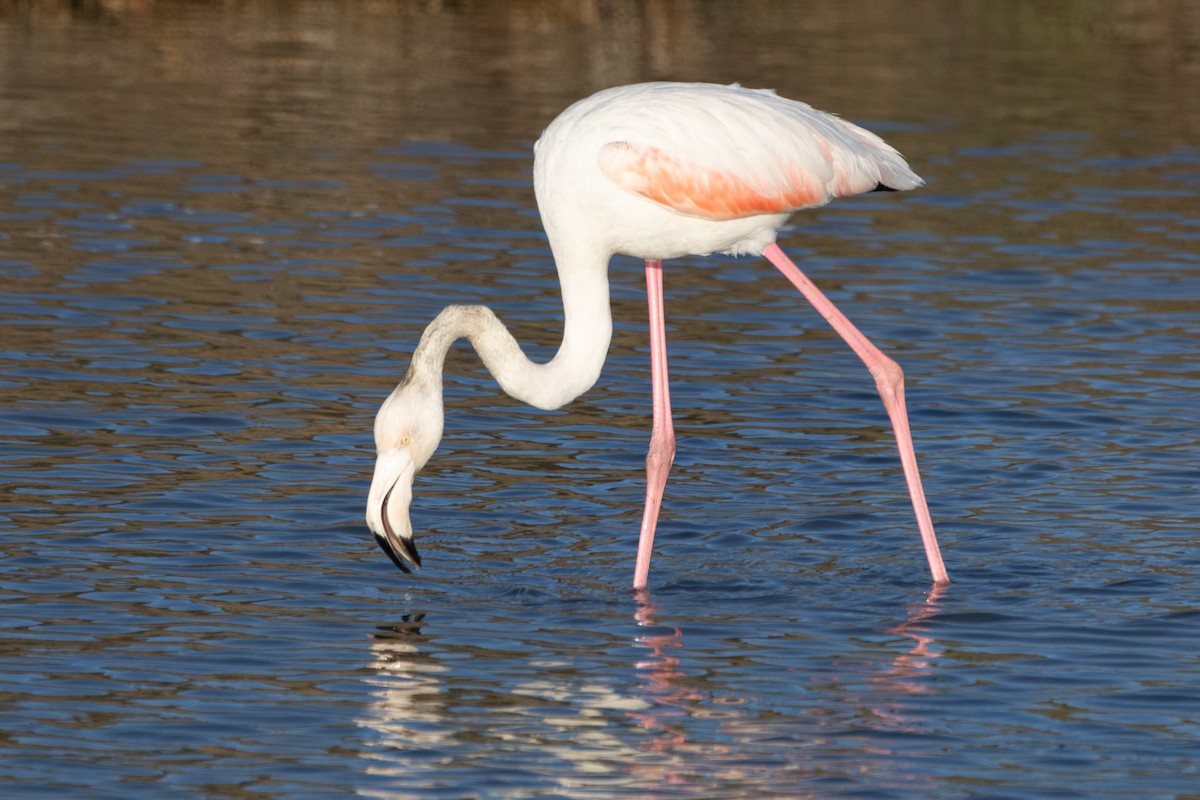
[408,428]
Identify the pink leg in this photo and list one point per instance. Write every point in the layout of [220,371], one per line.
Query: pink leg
[662,440]
[890,382]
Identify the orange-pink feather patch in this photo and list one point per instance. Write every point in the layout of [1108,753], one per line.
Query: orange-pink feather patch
[702,192]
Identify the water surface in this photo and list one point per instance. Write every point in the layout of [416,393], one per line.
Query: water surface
[222,231]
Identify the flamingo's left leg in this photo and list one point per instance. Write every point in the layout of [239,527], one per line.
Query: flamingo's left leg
[889,379]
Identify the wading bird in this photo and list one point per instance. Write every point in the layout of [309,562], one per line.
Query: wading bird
[655,171]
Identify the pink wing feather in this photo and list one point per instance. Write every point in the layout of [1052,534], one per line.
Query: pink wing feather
[699,191]
[752,153]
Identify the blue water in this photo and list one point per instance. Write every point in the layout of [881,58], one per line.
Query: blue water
[196,330]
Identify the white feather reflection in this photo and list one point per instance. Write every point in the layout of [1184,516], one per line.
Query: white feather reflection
[571,723]
[408,705]
[657,722]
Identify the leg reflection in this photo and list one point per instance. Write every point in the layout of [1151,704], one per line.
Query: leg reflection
[665,685]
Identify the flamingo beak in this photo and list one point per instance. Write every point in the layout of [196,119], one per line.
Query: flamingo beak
[387,508]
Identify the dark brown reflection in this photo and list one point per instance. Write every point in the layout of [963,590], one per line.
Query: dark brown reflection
[223,80]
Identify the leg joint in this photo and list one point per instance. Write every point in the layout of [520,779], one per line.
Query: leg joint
[889,378]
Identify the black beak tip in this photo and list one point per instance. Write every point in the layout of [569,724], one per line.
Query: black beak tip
[386,546]
[411,546]
[395,546]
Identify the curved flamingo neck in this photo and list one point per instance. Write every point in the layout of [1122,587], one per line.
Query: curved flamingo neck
[575,367]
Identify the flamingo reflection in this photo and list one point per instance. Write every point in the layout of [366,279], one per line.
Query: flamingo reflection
[848,695]
[919,660]
[665,690]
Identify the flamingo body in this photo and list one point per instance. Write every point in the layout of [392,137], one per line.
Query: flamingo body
[655,171]
[721,168]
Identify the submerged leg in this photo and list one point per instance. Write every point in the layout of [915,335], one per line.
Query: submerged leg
[890,382]
[662,439]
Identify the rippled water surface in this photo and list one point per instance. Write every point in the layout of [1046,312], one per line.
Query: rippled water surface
[222,230]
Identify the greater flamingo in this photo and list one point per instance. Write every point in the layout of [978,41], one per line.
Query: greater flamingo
[654,171]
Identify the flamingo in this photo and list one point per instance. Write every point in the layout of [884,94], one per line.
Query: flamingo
[654,171]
